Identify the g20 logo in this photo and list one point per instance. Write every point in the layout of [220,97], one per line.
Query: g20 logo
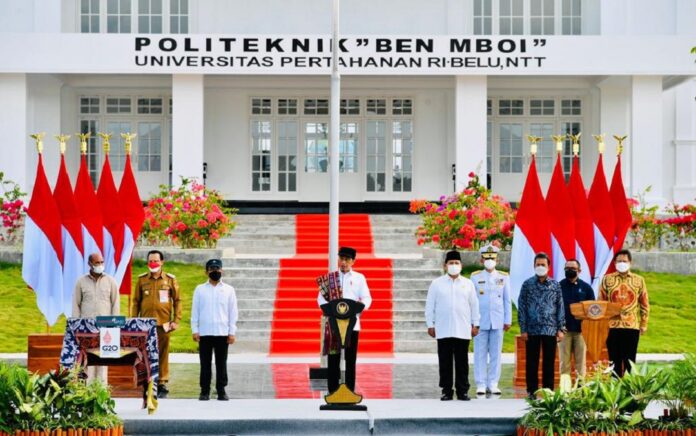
[109,348]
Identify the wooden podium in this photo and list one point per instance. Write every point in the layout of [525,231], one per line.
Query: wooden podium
[595,317]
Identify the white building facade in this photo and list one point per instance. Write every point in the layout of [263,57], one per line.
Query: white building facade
[238,92]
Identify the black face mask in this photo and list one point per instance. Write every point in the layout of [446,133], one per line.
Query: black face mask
[215,275]
[571,274]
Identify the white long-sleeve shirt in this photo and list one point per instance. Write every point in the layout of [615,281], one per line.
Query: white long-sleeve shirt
[214,311]
[452,307]
[354,287]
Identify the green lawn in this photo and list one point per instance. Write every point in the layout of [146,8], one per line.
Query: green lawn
[671,329]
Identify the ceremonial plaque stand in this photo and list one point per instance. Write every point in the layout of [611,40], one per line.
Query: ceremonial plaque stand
[342,315]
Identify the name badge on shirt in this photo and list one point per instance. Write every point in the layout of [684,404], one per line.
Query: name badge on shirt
[164,296]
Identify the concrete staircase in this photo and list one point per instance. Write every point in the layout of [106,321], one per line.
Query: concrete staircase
[260,240]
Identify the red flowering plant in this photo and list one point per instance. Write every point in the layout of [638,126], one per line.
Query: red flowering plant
[646,230]
[12,210]
[190,216]
[465,220]
[682,224]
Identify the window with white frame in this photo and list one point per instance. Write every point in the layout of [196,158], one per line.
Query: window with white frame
[350,106]
[376,106]
[91,125]
[149,146]
[261,136]
[545,148]
[402,106]
[261,106]
[402,156]
[316,106]
[542,107]
[526,17]
[117,153]
[376,158]
[133,16]
[118,105]
[510,151]
[150,105]
[316,141]
[89,16]
[348,148]
[287,106]
[569,128]
[287,156]
[571,107]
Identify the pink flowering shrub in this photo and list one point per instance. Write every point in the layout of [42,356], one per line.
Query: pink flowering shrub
[12,210]
[465,220]
[682,223]
[190,216]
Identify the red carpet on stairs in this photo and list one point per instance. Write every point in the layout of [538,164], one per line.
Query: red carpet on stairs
[296,321]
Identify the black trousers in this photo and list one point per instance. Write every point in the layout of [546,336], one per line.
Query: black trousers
[334,366]
[622,345]
[447,350]
[547,345]
[206,347]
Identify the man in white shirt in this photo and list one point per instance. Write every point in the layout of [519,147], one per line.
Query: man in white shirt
[452,316]
[214,325]
[354,287]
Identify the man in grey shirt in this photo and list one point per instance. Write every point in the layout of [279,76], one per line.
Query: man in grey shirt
[96,294]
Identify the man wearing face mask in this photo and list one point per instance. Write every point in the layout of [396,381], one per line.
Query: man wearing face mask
[542,323]
[156,295]
[629,290]
[96,294]
[493,292]
[574,290]
[214,326]
[354,287]
[452,317]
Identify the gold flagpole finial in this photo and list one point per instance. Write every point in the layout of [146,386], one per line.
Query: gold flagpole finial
[533,141]
[558,139]
[62,140]
[83,141]
[619,145]
[106,141]
[38,139]
[128,137]
[576,142]
[600,142]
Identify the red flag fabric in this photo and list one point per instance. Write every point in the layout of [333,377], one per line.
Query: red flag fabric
[561,220]
[42,258]
[73,261]
[134,216]
[90,213]
[114,224]
[532,232]
[603,217]
[584,226]
[622,213]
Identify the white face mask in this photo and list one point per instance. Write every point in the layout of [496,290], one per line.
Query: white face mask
[454,269]
[623,267]
[541,271]
[489,264]
[155,270]
[98,269]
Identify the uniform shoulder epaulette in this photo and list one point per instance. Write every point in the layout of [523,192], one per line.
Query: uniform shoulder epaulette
[477,272]
[504,273]
[170,275]
[143,274]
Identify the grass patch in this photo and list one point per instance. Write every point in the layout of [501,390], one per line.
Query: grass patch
[671,327]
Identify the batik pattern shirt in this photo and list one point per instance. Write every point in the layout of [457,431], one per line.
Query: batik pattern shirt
[629,290]
[540,307]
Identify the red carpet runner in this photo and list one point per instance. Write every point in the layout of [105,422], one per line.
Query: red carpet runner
[296,318]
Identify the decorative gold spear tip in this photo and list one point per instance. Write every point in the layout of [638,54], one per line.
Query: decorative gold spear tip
[619,145]
[600,142]
[533,140]
[38,139]
[83,141]
[106,141]
[128,137]
[558,139]
[62,139]
[576,142]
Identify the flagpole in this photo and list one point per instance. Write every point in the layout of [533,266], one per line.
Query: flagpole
[334,132]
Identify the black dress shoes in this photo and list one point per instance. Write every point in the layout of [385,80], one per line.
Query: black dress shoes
[463,397]
[446,397]
[203,397]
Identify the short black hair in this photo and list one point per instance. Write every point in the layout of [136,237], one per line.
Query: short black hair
[161,256]
[542,255]
[577,262]
[624,252]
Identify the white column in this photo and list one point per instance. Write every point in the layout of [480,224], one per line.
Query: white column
[684,190]
[187,127]
[14,146]
[615,119]
[471,93]
[645,141]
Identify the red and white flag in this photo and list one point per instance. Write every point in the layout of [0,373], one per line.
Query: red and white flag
[90,214]
[73,259]
[532,232]
[622,213]
[584,226]
[561,220]
[134,216]
[603,217]
[42,258]
[114,226]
